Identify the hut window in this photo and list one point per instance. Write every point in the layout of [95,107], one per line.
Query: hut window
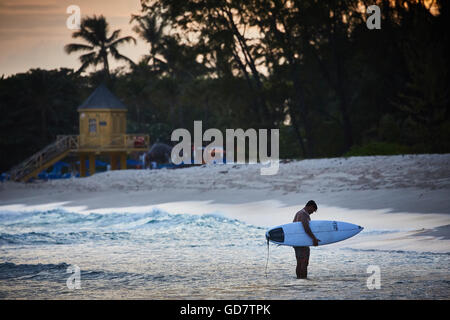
[92,125]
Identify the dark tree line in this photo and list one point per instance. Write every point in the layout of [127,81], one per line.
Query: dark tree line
[310,68]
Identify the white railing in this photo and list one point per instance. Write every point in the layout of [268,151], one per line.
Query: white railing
[119,141]
[37,160]
[65,143]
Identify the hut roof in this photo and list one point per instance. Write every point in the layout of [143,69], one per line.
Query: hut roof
[102,98]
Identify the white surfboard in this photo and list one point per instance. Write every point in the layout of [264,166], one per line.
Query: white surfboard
[293,234]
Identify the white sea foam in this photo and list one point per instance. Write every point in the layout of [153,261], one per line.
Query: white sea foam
[392,193]
[215,246]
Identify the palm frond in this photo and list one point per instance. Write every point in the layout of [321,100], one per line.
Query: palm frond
[114,36]
[148,28]
[88,57]
[119,56]
[121,41]
[86,60]
[75,47]
[97,26]
[94,30]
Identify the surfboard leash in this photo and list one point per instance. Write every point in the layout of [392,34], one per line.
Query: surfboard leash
[267,261]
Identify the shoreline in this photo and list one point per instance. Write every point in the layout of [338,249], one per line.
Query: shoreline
[379,193]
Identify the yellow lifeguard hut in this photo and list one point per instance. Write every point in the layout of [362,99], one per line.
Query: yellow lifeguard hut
[102,132]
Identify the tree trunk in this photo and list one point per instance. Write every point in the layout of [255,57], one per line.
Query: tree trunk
[106,66]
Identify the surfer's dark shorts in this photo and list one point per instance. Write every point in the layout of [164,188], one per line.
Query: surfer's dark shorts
[301,252]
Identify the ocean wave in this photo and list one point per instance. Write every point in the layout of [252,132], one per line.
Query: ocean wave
[60,272]
[378,232]
[9,270]
[62,227]
[420,253]
[58,217]
[36,238]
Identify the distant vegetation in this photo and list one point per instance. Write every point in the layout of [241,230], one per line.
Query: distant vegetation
[378,148]
[310,68]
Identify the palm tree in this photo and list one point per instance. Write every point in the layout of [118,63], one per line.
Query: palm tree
[153,33]
[167,53]
[94,30]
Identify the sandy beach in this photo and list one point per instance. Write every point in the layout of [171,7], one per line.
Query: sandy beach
[406,194]
[402,202]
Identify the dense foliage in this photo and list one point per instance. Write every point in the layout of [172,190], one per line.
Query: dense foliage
[310,68]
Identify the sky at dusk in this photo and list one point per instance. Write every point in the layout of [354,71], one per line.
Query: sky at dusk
[33,33]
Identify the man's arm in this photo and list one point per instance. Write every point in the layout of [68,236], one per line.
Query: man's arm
[309,233]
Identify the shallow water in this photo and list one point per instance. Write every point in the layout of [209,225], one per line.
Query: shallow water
[158,255]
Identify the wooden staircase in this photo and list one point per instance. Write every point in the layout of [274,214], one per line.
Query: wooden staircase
[43,159]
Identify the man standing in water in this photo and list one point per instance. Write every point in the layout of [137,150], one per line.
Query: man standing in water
[302,253]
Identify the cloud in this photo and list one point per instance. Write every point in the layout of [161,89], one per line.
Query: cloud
[33,33]
[27,7]
[32,21]
[14,7]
